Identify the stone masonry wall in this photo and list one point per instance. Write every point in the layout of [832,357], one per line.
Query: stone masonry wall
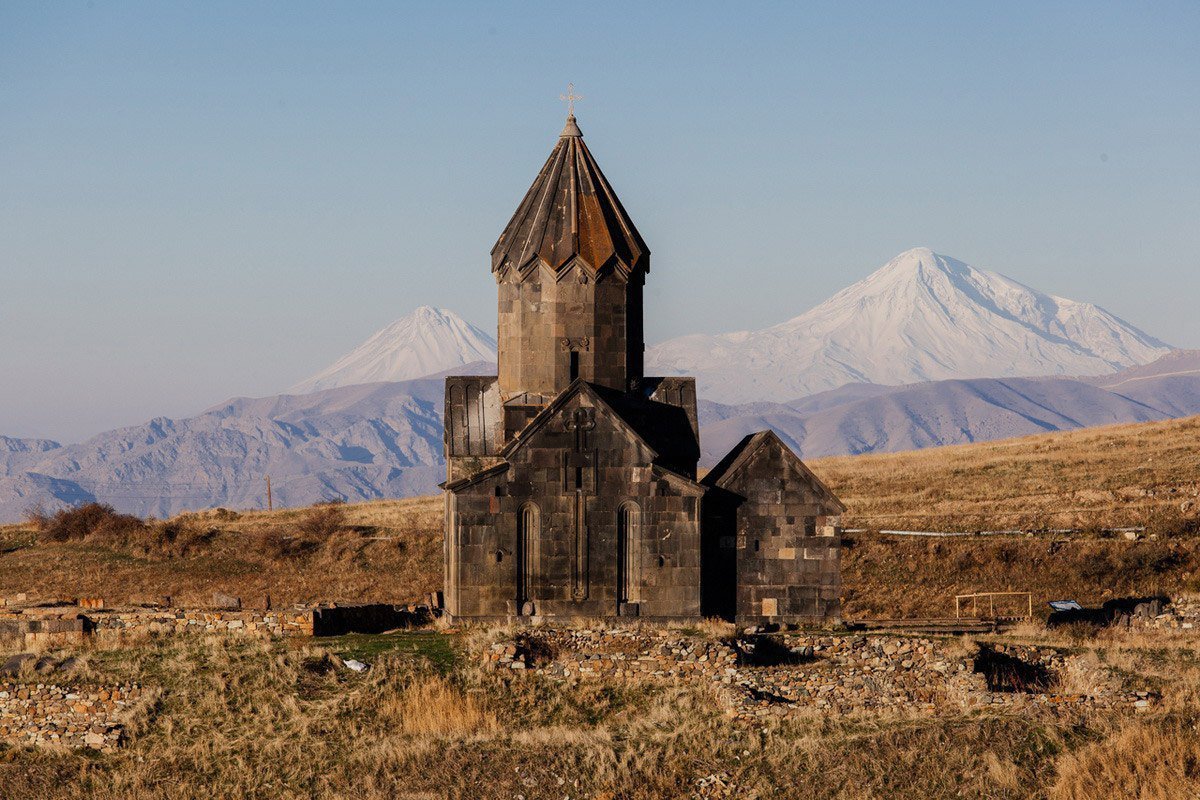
[72,716]
[273,623]
[819,673]
[1183,613]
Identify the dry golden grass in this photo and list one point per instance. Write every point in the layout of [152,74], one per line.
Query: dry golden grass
[241,718]
[1137,761]
[893,576]
[387,551]
[432,706]
[1114,476]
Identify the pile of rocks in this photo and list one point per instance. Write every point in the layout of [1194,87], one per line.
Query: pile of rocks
[780,674]
[72,716]
[617,652]
[1182,613]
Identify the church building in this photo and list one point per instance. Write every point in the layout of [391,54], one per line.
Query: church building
[572,484]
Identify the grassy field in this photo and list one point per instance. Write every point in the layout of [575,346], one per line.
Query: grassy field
[1109,477]
[242,718]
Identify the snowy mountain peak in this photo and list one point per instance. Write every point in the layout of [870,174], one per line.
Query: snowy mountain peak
[427,341]
[922,316]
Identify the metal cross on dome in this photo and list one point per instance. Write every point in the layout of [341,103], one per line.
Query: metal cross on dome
[570,97]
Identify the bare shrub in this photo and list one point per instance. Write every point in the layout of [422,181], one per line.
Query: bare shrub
[342,546]
[177,538]
[279,544]
[92,519]
[323,521]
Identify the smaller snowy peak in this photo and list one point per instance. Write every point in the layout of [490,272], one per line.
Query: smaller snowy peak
[425,342]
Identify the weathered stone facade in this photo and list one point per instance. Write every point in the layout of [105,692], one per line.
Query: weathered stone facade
[773,546]
[571,477]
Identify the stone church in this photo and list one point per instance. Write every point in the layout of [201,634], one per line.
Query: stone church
[572,485]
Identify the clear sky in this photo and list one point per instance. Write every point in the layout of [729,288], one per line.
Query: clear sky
[200,200]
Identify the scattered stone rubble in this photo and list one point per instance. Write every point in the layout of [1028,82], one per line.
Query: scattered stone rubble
[804,672]
[1183,613]
[72,716]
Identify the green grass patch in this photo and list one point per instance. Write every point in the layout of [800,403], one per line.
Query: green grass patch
[441,650]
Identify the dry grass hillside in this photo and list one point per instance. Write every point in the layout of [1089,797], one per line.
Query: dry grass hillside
[1115,476]
[1127,475]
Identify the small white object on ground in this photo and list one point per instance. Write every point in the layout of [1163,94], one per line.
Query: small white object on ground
[357,666]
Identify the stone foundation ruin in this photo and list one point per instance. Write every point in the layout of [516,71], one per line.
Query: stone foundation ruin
[820,673]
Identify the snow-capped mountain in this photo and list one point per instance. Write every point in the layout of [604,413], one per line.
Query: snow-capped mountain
[427,341]
[921,317]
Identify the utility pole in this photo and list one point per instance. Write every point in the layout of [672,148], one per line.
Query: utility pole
[270,505]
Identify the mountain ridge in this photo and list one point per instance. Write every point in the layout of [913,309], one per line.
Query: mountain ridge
[920,317]
[385,439]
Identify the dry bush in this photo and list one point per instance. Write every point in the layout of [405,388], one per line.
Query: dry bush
[322,521]
[100,524]
[282,544]
[1139,761]
[83,522]
[181,538]
[321,535]
[178,538]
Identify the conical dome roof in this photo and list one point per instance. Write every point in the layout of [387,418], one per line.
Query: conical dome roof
[571,211]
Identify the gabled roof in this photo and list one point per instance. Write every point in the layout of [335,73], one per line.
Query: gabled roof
[666,427]
[578,386]
[723,474]
[570,211]
[471,480]
[683,481]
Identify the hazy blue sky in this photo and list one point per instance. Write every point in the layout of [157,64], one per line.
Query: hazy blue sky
[199,200]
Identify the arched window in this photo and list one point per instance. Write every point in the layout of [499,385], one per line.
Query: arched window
[629,553]
[528,538]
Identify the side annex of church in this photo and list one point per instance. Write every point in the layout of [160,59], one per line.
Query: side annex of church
[572,485]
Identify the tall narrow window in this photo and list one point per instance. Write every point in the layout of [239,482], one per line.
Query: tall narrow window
[528,535]
[574,364]
[628,554]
